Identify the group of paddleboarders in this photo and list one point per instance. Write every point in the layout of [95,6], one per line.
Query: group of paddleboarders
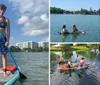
[4,36]
[65,31]
[70,64]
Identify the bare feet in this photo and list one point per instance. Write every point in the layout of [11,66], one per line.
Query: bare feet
[4,74]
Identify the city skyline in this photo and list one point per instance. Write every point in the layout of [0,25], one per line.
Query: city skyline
[32,44]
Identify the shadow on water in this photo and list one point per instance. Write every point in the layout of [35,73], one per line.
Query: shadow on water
[88,76]
[74,36]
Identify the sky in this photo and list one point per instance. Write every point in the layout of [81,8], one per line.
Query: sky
[75,4]
[29,20]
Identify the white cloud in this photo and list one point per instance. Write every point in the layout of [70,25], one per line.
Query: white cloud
[44,17]
[23,19]
[34,15]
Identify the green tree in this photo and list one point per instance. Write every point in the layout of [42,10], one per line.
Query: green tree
[66,48]
[15,49]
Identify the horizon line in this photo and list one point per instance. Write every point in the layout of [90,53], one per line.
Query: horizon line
[76,9]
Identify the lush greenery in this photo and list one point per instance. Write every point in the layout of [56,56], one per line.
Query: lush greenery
[53,56]
[17,49]
[54,10]
[67,49]
[71,47]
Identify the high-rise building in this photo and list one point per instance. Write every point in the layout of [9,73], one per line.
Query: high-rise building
[27,44]
[43,44]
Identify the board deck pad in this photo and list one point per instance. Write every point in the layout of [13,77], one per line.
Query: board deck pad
[10,75]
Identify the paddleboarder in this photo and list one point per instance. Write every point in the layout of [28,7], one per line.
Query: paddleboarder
[64,30]
[75,29]
[5,31]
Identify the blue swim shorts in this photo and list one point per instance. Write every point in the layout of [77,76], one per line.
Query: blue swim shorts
[3,48]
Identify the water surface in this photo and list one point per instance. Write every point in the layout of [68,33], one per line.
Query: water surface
[33,65]
[88,23]
[90,76]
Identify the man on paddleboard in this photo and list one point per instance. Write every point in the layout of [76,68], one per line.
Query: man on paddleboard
[5,32]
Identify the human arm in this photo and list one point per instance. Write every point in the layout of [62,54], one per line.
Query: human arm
[8,32]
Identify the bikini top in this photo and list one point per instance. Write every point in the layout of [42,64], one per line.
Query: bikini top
[3,23]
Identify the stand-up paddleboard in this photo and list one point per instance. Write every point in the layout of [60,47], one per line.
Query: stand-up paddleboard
[65,67]
[66,33]
[12,76]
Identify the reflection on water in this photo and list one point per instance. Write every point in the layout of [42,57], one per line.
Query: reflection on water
[88,76]
[74,56]
[97,63]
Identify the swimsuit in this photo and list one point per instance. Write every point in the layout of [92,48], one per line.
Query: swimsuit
[3,23]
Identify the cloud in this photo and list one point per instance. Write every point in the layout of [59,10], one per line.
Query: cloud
[23,19]
[34,15]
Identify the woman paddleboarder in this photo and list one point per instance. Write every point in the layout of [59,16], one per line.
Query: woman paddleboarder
[5,31]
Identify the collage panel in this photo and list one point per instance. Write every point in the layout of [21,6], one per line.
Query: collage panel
[49,42]
[74,64]
[24,42]
[74,21]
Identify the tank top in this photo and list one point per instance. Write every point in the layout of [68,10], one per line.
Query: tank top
[3,23]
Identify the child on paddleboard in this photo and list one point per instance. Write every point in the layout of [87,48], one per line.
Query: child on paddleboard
[5,32]
[75,29]
[64,30]
[82,62]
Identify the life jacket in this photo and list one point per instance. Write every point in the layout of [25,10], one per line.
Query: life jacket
[11,68]
[64,67]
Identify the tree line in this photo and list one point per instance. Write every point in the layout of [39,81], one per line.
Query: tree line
[39,49]
[55,10]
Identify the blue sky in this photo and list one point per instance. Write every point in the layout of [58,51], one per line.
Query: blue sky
[76,4]
[28,19]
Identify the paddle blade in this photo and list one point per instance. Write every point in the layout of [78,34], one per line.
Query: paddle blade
[22,76]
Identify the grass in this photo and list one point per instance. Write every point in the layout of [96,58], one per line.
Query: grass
[55,49]
[52,56]
[79,48]
[73,48]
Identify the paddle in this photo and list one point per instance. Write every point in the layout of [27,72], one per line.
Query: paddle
[20,74]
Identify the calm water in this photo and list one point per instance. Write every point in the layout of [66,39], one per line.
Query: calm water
[88,23]
[90,76]
[34,66]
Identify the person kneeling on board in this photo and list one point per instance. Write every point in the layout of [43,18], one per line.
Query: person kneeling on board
[64,30]
[82,62]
